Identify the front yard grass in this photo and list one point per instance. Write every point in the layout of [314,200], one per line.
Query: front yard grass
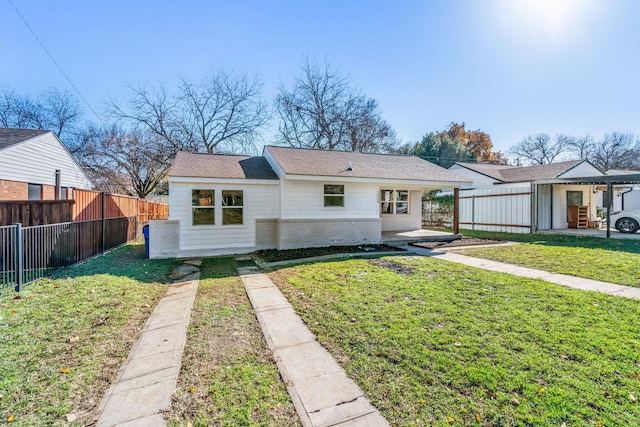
[436,343]
[63,339]
[228,374]
[615,261]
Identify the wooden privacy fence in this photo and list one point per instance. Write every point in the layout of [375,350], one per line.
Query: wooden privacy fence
[35,212]
[90,204]
[87,205]
[496,209]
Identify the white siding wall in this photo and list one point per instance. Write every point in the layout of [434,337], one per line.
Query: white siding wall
[631,200]
[36,162]
[412,221]
[504,210]
[584,169]
[560,203]
[478,179]
[305,200]
[260,202]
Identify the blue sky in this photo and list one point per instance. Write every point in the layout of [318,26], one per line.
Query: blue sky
[508,67]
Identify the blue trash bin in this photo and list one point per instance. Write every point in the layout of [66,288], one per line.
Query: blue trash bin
[145,232]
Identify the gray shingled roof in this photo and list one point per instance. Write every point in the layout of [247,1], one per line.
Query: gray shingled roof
[221,166]
[490,170]
[507,173]
[12,136]
[538,172]
[297,161]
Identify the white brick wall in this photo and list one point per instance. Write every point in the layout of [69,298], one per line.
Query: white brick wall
[266,233]
[164,239]
[323,232]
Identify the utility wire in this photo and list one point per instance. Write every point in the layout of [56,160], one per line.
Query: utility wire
[53,60]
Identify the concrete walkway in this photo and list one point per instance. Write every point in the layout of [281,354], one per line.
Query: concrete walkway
[146,382]
[560,279]
[321,392]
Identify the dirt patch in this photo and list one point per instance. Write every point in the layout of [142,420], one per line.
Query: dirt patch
[464,241]
[405,270]
[274,255]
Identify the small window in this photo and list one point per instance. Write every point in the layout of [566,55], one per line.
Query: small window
[64,193]
[203,207]
[232,207]
[574,198]
[333,195]
[35,192]
[394,202]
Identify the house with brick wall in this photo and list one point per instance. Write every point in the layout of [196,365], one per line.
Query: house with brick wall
[33,162]
[291,198]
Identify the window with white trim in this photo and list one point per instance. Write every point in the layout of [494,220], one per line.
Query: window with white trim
[232,207]
[394,202]
[333,195]
[203,207]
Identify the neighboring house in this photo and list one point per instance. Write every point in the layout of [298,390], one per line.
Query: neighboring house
[29,160]
[527,199]
[291,198]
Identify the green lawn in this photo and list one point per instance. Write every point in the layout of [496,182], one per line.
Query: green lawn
[228,374]
[436,343]
[616,261]
[563,240]
[63,339]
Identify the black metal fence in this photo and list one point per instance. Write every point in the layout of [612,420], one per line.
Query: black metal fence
[30,253]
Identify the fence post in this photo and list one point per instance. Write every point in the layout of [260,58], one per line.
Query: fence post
[19,258]
[103,221]
[456,210]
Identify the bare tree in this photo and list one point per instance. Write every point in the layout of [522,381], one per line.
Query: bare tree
[324,111]
[51,110]
[222,113]
[616,150]
[540,148]
[580,147]
[133,161]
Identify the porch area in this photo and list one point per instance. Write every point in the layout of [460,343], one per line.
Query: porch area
[419,235]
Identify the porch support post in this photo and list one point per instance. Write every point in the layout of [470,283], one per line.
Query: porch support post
[456,210]
[609,206]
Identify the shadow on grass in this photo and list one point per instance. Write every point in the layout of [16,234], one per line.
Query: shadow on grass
[127,261]
[626,245]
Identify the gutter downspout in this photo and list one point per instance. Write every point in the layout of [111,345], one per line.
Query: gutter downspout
[609,203]
[57,190]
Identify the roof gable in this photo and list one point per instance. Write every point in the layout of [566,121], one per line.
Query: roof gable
[221,166]
[510,173]
[13,136]
[349,164]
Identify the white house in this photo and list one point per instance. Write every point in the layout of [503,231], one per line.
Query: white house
[291,198]
[527,199]
[32,162]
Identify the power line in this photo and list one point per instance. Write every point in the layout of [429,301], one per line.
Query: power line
[53,60]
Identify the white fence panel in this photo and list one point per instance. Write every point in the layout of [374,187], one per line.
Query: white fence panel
[496,209]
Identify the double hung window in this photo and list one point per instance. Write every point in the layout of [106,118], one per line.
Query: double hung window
[203,207]
[333,195]
[232,207]
[394,202]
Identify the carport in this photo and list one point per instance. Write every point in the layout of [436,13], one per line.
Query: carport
[610,181]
